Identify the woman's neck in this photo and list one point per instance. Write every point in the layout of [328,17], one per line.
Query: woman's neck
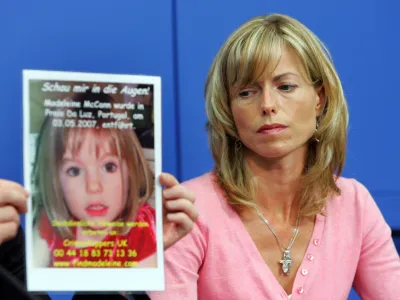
[277,181]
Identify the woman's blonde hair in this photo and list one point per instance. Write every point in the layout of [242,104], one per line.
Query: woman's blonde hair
[51,146]
[245,55]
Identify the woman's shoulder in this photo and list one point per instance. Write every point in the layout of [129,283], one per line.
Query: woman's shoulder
[351,188]
[215,212]
[208,193]
[349,185]
[197,183]
[354,198]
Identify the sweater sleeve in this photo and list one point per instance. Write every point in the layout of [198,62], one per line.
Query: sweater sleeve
[378,271]
[182,263]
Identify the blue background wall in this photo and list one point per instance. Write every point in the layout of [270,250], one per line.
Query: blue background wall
[177,39]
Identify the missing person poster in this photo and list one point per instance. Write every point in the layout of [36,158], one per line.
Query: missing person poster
[92,157]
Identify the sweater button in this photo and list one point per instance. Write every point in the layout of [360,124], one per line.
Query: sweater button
[300,290]
[304,272]
[316,242]
[310,257]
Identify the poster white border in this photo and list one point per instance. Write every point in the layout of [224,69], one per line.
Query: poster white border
[95,279]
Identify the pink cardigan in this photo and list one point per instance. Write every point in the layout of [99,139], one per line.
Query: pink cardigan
[351,246]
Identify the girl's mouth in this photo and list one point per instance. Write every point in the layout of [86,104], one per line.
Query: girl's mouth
[97,210]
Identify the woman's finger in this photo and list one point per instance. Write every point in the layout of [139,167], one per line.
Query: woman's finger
[8,231]
[178,191]
[14,197]
[9,214]
[182,220]
[167,180]
[12,185]
[182,205]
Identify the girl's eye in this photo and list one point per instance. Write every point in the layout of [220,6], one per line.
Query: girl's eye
[110,167]
[73,171]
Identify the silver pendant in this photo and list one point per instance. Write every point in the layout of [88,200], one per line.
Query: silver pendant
[286,262]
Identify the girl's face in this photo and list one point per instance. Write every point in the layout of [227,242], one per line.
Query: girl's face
[93,179]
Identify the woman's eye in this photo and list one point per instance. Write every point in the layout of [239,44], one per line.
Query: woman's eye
[247,93]
[244,94]
[73,171]
[287,87]
[110,167]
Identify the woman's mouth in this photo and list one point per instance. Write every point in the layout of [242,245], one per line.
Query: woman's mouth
[97,210]
[271,129]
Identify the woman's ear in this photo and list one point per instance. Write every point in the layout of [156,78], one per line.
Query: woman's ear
[320,100]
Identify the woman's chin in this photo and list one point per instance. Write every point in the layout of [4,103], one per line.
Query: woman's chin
[273,155]
[278,150]
[272,152]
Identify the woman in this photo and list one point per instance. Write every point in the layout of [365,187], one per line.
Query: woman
[277,220]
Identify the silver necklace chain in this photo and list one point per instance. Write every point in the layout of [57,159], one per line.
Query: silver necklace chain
[287,260]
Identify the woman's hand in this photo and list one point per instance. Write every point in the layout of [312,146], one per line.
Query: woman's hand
[13,201]
[179,211]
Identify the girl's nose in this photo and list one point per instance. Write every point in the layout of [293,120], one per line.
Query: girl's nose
[93,182]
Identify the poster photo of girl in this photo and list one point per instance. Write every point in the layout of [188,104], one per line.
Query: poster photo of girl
[92,174]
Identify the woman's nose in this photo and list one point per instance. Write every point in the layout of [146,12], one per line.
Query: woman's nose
[268,102]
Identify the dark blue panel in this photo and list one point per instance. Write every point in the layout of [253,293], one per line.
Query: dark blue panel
[361,38]
[128,37]
[397,243]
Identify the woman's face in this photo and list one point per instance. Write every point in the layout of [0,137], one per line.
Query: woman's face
[93,179]
[277,115]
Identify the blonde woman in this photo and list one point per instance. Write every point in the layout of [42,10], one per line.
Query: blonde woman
[277,219]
